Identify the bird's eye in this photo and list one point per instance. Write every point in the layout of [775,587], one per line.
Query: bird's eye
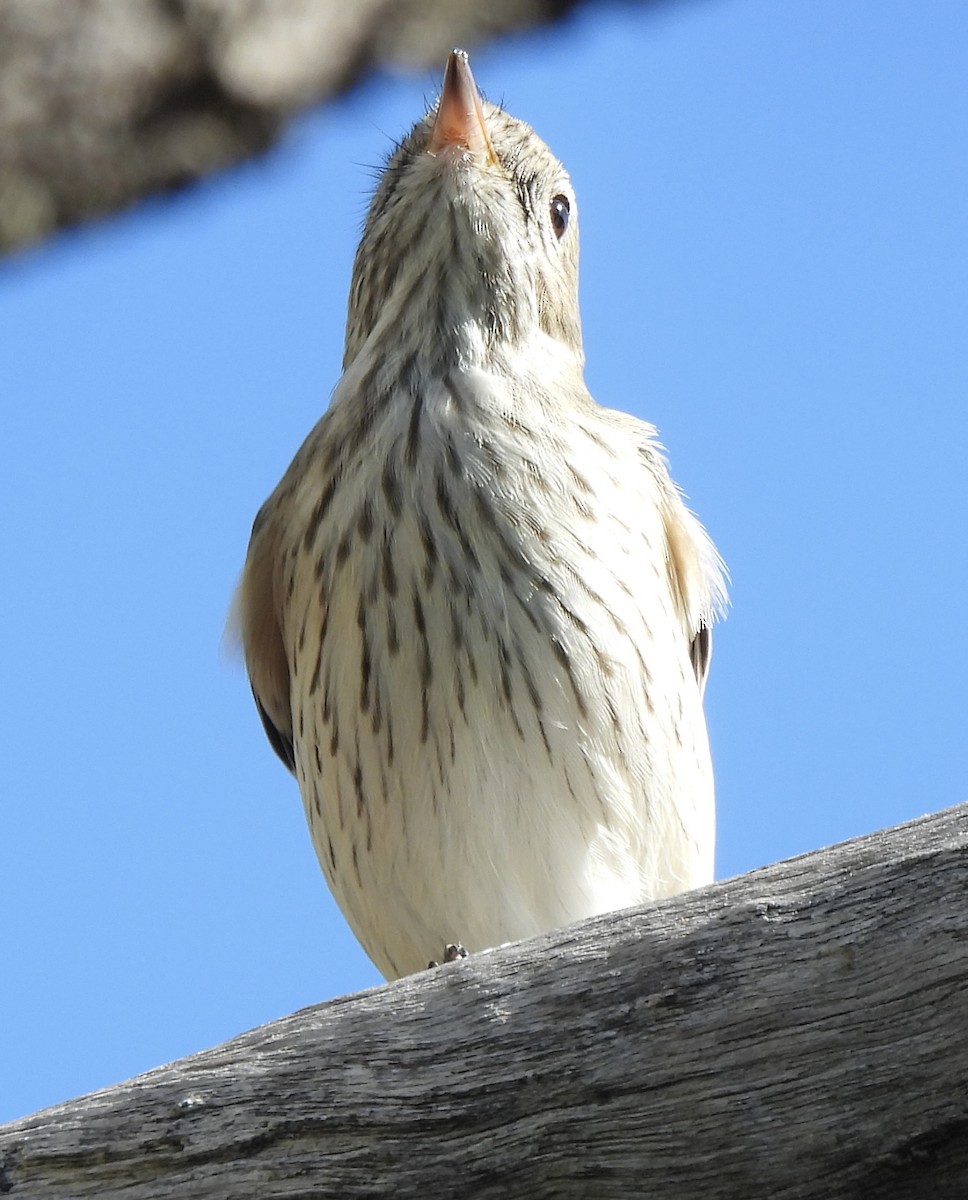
[560,212]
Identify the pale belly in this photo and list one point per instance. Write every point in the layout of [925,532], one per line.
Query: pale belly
[497,726]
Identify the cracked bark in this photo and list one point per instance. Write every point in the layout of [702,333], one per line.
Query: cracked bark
[799,1033]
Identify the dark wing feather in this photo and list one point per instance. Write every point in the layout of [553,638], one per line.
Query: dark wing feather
[279,741]
[259,624]
[701,653]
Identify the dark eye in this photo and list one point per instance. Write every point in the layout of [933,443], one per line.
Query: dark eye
[560,212]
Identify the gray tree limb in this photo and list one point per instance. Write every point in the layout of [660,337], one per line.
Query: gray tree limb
[800,1032]
[103,102]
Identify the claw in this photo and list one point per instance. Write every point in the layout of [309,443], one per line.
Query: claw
[452,952]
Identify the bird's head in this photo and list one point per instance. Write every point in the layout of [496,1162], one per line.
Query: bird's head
[470,247]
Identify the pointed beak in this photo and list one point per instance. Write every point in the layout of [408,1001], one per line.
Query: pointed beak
[459,120]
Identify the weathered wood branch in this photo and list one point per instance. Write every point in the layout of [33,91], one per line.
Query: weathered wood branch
[798,1032]
[103,102]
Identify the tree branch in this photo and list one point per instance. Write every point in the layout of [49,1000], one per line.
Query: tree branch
[103,102]
[800,1032]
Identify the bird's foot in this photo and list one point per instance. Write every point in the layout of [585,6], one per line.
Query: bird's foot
[452,952]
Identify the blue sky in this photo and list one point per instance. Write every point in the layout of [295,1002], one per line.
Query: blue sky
[774,269]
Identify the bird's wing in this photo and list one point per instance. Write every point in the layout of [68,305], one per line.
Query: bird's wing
[696,577]
[257,616]
[701,654]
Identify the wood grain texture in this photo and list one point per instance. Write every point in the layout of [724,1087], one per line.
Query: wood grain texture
[798,1032]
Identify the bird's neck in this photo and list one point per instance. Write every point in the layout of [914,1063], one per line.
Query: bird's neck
[402,360]
[441,323]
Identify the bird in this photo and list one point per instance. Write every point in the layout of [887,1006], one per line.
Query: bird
[476,611]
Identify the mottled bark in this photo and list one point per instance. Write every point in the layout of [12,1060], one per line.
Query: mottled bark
[103,102]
